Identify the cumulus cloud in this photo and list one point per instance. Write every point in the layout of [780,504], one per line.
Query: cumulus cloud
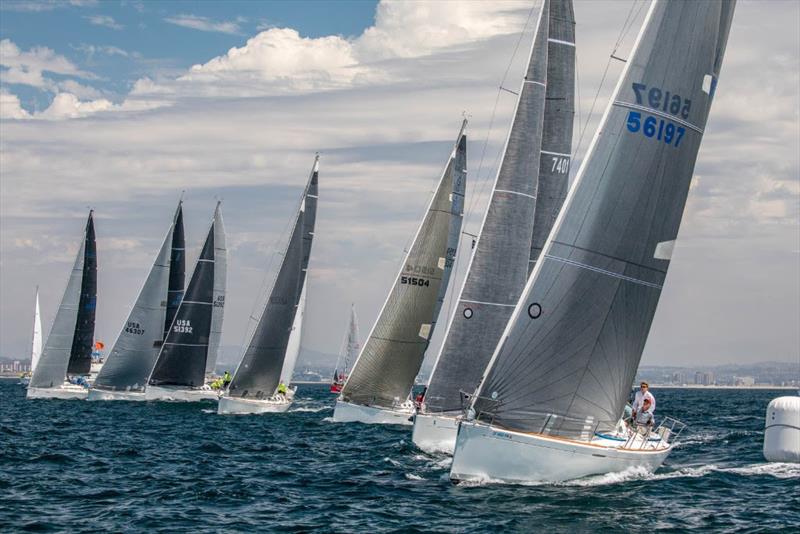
[205,24]
[104,20]
[10,107]
[27,67]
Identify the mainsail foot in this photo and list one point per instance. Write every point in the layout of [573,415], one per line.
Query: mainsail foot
[347,412]
[485,453]
[435,433]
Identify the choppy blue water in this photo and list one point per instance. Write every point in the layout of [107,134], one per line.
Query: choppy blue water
[77,466]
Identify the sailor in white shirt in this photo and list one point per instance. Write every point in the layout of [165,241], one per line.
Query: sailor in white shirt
[641,395]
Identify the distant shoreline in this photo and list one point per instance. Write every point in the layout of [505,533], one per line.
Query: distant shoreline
[699,386]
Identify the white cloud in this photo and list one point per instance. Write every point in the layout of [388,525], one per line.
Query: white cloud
[104,20]
[27,67]
[68,106]
[204,24]
[10,107]
[43,5]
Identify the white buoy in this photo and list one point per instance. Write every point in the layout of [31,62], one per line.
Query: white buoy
[782,430]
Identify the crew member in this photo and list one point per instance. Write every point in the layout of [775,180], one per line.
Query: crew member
[641,395]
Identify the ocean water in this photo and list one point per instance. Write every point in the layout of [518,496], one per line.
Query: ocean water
[75,466]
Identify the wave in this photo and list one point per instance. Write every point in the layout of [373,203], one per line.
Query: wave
[412,476]
[314,410]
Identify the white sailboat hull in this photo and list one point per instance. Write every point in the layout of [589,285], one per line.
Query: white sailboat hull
[435,433]
[346,412]
[490,454]
[64,391]
[105,395]
[180,394]
[232,405]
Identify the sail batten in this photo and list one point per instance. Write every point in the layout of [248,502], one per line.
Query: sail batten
[390,359]
[570,352]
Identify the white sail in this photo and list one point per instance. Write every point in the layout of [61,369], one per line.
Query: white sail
[36,342]
[296,336]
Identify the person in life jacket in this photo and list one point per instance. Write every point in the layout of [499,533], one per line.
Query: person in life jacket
[419,399]
[226,379]
[282,389]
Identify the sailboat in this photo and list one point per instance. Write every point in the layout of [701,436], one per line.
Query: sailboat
[66,359]
[348,354]
[529,189]
[36,341]
[549,404]
[380,382]
[180,368]
[125,372]
[269,359]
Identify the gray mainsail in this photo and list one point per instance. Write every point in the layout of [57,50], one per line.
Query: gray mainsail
[385,370]
[572,347]
[182,358]
[499,266]
[177,269]
[220,284]
[135,351]
[262,365]
[51,371]
[559,115]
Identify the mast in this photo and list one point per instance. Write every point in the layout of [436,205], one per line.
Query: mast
[391,357]
[567,358]
[498,267]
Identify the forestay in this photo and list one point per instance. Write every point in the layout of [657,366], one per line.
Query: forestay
[571,350]
[135,351]
[392,355]
[182,358]
[51,371]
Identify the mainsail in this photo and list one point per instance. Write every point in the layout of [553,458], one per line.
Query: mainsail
[263,364]
[392,355]
[177,269]
[80,359]
[527,185]
[350,348]
[36,341]
[72,316]
[135,351]
[182,358]
[571,350]
[220,283]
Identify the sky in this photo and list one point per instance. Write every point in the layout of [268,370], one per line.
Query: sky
[121,106]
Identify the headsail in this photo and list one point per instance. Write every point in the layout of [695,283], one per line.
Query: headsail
[177,269]
[498,268]
[135,351]
[392,355]
[80,359]
[264,362]
[182,358]
[220,284]
[350,347]
[572,347]
[36,342]
[51,371]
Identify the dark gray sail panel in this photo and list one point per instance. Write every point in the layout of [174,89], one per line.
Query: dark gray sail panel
[80,359]
[499,265]
[182,359]
[392,355]
[51,371]
[177,269]
[134,353]
[259,372]
[574,343]
[559,114]
[310,216]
